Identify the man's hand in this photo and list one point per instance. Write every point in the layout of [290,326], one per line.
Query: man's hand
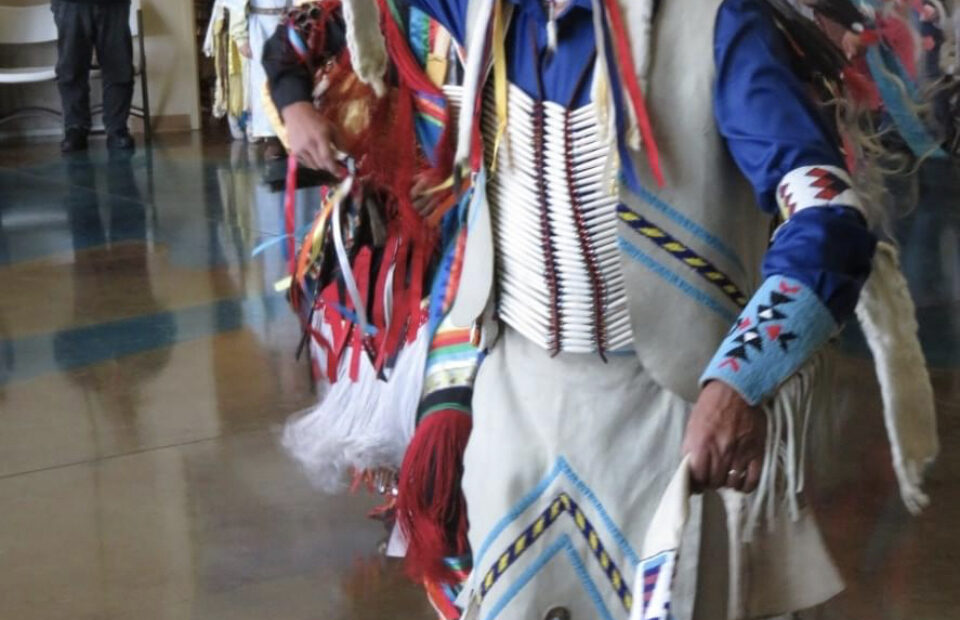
[725,440]
[244,48]
[311,138]
[424,202]
[852,44]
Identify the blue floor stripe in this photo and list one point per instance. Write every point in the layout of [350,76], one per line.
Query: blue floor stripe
[69,349]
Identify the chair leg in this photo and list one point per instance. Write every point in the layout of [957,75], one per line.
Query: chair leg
[144,89]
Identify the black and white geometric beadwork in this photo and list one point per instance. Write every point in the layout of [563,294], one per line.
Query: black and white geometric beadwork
[763,329]
[816,186]
[784,323]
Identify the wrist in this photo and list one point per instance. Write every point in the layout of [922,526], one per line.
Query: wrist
[724,392]
[295,110]
[723,395]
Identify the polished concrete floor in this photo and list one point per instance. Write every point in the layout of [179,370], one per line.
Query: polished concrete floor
[146,363]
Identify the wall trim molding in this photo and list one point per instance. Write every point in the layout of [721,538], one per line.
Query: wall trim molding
[170,123]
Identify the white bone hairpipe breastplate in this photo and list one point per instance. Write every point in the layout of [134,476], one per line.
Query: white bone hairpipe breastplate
[558,270]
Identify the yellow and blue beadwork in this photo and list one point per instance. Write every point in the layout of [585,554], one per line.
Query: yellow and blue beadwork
[562,505]
[684,254]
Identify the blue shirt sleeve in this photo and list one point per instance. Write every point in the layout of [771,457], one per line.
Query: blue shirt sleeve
[771,126]
[451,14]
[763,109]
[821,256]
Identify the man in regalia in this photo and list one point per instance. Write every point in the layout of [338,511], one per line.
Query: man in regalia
[663,235]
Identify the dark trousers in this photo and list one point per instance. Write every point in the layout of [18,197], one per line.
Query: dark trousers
[81,28]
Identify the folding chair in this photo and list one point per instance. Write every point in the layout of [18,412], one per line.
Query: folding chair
[27,25]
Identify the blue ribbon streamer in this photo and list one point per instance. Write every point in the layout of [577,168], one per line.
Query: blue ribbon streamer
[881,61]
[269,243]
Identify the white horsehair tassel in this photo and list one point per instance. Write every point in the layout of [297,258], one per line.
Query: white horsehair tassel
[639,14]
[888,319]
[365,42]
[359,425]
[477,61]
[552,26]
[603,101]
[643,42]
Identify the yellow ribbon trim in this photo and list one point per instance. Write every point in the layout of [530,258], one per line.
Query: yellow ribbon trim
[499,77]
[273,115]
[283,284]
[437,58]
[439,188]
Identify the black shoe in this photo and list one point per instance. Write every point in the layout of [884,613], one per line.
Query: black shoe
[273,150]
[120,141]
[74,140]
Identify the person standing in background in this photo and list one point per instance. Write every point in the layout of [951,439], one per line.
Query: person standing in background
[263,17]
[227,43]
[932,18]
[82,26]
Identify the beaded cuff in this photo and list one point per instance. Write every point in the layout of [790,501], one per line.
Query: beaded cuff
[781,327]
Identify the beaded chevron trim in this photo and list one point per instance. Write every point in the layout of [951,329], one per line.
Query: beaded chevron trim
[562,505]
[816,186]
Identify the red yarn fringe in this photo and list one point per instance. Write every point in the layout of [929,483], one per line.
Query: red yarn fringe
[412,75]
[431,508]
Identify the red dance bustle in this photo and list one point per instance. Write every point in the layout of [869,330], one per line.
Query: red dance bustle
[412,75]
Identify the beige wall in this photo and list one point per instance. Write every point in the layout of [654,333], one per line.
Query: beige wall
[171,46]
[171,52]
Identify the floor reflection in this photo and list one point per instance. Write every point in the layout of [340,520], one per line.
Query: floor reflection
[109,230]
[146,362]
